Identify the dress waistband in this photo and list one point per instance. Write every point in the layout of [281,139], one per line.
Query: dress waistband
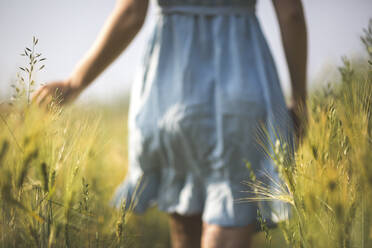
[207,10]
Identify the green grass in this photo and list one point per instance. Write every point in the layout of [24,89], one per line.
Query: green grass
[59,169]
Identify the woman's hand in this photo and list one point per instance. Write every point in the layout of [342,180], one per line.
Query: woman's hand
[60,91]
[298,113]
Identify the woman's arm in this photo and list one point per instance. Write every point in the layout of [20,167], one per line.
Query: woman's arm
[294,37]
[120,28]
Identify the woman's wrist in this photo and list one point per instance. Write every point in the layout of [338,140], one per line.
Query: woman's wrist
[74,85]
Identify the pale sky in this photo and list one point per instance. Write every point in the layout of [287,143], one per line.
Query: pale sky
[67,28]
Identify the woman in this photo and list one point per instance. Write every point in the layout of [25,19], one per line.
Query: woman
[207,83]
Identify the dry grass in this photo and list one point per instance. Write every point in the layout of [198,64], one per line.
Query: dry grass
[58,170]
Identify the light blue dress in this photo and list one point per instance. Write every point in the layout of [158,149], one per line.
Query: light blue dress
[207,84]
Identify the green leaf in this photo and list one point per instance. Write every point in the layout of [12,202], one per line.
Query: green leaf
[41,67]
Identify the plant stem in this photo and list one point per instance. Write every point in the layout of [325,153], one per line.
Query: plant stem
[11,133]
[30,72]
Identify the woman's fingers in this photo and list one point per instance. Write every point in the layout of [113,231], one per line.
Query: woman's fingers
[36,95]
[44,96]
[59,91]
[45,99]
[299,119]
[41,97]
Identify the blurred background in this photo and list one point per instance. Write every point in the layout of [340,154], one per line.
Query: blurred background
[66,29]
[73,145]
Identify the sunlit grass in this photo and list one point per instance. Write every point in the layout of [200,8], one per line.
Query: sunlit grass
[59,169]
[329,183]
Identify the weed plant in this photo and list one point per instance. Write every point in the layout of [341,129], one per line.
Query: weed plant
[329,183]
[58,171]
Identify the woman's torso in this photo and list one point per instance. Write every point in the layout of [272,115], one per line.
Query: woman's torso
[201,55]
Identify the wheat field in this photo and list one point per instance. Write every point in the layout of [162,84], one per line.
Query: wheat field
[59,169]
